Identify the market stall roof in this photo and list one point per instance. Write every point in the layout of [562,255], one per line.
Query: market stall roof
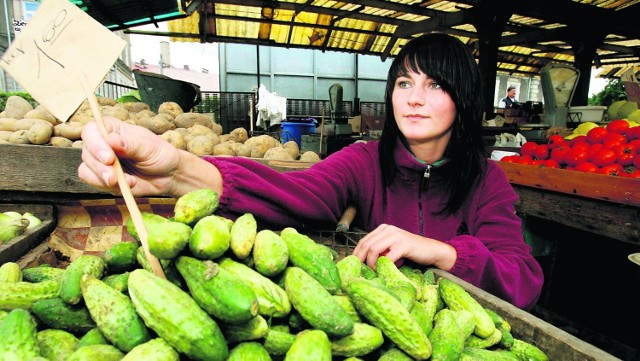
[535,33]
[119,14]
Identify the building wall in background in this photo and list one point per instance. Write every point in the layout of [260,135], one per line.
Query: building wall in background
[301,73]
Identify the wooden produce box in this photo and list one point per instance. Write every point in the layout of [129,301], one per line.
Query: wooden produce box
[597,203]
[556,343]
[19,246]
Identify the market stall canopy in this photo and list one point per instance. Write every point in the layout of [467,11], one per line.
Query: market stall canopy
[118,14]
[530,34]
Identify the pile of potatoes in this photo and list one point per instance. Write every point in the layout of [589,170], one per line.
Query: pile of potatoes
[21,123]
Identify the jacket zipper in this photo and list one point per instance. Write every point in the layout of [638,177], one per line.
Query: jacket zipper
[424,184]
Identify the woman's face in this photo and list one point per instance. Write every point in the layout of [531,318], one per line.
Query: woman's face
[423,110]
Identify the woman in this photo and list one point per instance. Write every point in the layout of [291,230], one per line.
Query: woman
[425,192]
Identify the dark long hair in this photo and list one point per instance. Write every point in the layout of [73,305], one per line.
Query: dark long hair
[450,63]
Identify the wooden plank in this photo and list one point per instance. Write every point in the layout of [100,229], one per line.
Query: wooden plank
[618,221]
[556,343]
[39,168]
[582,184]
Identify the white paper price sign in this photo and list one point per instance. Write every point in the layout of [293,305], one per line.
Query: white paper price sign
[60,44]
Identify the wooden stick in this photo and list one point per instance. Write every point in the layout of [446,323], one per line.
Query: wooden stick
[321,130]
[130,202]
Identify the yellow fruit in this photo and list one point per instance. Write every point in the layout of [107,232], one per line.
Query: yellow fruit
[584,128]
[634,117]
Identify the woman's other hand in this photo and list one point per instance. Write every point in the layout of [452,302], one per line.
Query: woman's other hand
[396,243]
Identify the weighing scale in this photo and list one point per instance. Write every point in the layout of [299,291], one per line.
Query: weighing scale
[558,83]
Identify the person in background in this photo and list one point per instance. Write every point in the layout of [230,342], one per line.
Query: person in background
[510,100]
[426,192]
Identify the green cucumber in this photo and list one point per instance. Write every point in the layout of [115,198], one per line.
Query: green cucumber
[41,273]
[255,328]
[55,313]
[457,298]
[10,272]
[310,345]
[24,294]
[70,291]
[315,304]
[272,299]
[270,253]
[197,204]
[384,311]
[152,350]
[19,336]
[114,313]
[121,257]
[176,317]
[220,293]
[56,345]
[303,253]
[364,340]
[249,351]
[210,238]
[97,353]
[446,337]
[243,235]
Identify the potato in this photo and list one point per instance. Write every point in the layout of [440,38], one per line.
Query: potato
[261,145]
[200,145]
[309,156]
[77,144]
[135,107]
[26,123]
[198,129]
[171,108]
[239,135]
[41,113]
[224,137]
[146,113]
[106,101]
[39,133]
[61,142]
[175,138]
[277,153]
[183,131]
[116,112]
[17,107]
[245,150]
[7,124]
[82,117]
[5,134]
[2,141]
[69,130]
[19,137]
[217,128]
[186,120]
[225,148]
[293,149]
[160,124]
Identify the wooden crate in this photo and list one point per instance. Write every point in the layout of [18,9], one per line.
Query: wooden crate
[556,343]
[19,246]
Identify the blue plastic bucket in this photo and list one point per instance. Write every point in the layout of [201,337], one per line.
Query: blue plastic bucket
[295,131]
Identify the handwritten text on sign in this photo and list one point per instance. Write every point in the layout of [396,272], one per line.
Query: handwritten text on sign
[61,43]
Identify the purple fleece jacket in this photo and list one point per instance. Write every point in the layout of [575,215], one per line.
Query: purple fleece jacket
[485,232]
